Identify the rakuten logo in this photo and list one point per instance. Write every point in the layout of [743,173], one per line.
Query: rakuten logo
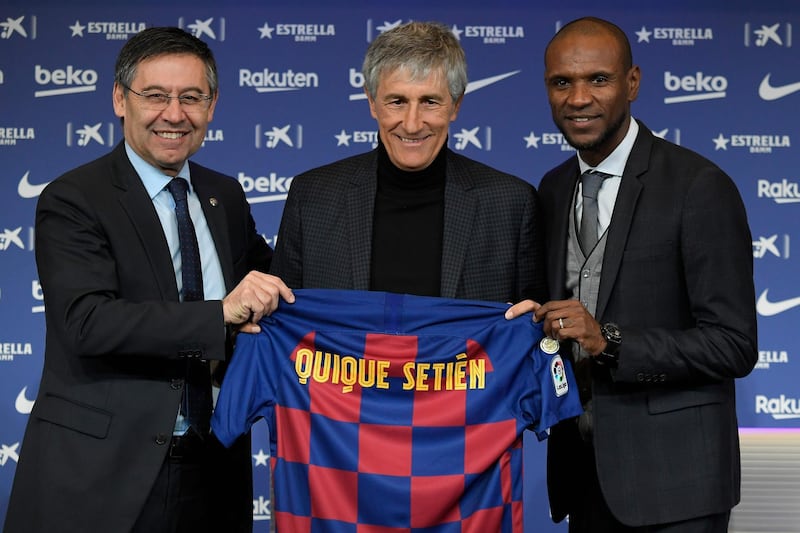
[701,86]
[781,408]
[70,80]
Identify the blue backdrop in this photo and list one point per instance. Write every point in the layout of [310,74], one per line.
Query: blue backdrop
[723,81]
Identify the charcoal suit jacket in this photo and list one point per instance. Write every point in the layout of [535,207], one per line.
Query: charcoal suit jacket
[492,236]
[115,345]
[677,277]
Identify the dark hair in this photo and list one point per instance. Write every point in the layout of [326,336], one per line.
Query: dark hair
[157,41]
[593,25]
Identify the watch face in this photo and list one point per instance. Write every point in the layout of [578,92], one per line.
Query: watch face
[613,337]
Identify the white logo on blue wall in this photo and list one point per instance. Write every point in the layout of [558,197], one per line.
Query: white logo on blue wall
[69,80]
[9,452]
[489,34]
[373,30]
[10,350]
[268,81]
[781,192]
[676,36]
[770,92]
[548,139]
[90,134]
[261,510]
[28,190]
[470,137]
[698,86]
[780,408]
[261,458]
[777,34]
[754,143]
[38,296]
[770,245]
[767,307]
[357,82]
[9,237]
[343,138]
[205,28]
[18,26]
[298,32]
[771,357]
[11,136]
[277,136]
[22,404]
[213,135]
[111,31]
[270,188]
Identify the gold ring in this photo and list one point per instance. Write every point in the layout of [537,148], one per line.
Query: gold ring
[561,323]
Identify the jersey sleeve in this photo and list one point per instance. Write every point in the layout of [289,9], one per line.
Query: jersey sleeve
[247,390]
[559,394]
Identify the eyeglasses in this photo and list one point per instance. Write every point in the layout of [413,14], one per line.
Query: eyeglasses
[159,101]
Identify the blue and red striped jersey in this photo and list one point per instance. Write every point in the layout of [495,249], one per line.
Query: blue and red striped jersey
[391,413]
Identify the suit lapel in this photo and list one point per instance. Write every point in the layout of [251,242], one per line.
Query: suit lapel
[360,206]
[624,208]
[216,218]
[562,203]
[459,214]
[139,209]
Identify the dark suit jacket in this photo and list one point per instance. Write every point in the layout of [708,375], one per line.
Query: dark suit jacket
[678,279]
[492,242]
[112,377]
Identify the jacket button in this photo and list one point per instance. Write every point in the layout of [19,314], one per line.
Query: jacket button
[176,383]
[640,377]
[161,439]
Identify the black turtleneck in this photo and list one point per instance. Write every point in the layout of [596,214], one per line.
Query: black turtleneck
[407,228]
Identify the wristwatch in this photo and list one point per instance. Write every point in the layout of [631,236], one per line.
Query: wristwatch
[613,337]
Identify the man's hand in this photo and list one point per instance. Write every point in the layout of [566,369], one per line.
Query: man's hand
[569,319]
[257,295]
[520,308]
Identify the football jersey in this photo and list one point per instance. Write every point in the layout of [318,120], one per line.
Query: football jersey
[390,413]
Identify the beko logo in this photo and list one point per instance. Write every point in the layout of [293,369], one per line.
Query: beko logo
[701,87]
[69,80]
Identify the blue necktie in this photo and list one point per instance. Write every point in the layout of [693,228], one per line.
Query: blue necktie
[196,405]
[591,180]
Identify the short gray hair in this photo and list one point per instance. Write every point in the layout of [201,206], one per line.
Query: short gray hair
[420,48]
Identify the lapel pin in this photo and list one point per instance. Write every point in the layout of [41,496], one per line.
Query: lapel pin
[213,201]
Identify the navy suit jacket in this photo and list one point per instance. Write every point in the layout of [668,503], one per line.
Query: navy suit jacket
[677,277]
[492,240]
[116,332]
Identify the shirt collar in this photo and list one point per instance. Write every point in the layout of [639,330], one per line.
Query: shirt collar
[614,164]
[152,178]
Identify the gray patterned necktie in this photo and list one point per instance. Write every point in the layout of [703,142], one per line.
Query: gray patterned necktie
[591,180]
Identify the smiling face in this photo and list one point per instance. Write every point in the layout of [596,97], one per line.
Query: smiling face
[165,138]
[413,116]
[590,90]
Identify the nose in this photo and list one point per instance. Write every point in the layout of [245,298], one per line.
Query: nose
[580,95]
[412,121]
[173,112]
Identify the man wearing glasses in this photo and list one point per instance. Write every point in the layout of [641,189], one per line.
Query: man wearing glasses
[148,262]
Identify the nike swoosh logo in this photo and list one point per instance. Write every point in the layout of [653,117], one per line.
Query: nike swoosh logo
[767,308]
[26,190]
[471,86]
[24,405]
[768,92]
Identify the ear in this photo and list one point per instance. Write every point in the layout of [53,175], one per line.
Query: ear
[634,78]
[456,108]
[212,106]
[371,104]
[118,98]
